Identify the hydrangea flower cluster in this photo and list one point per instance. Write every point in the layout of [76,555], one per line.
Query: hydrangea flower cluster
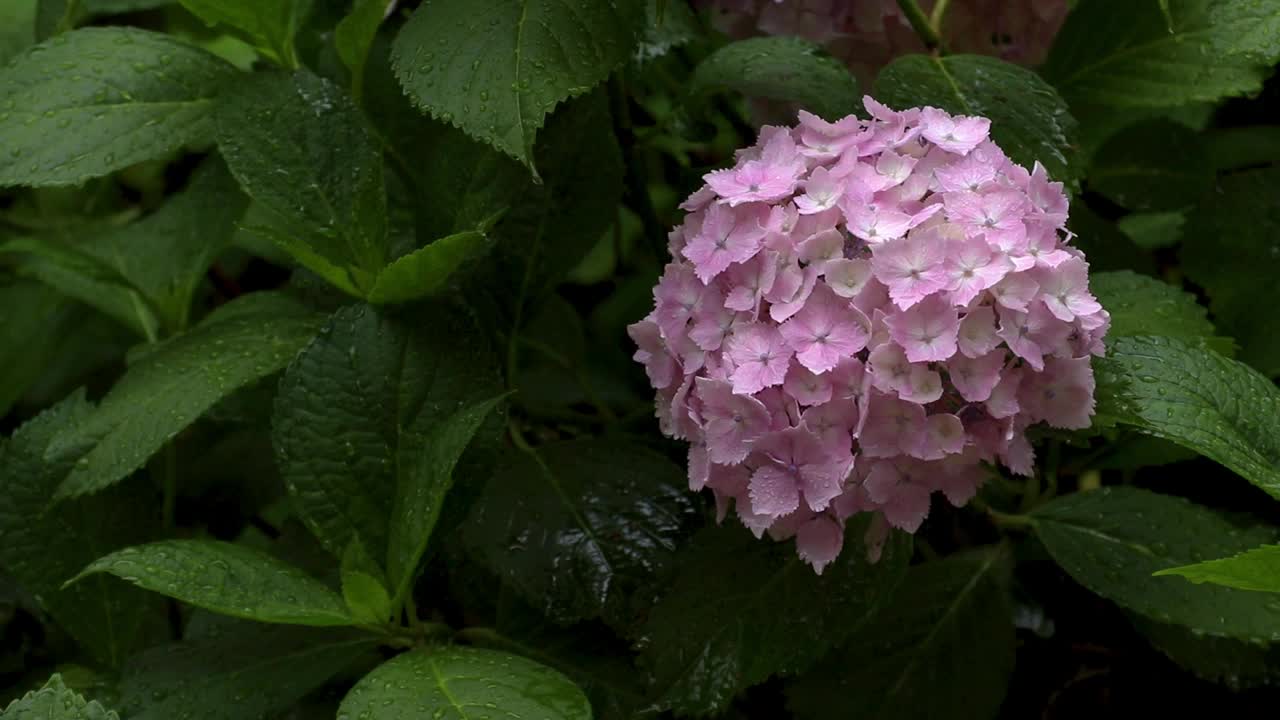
[861,313]
[867,34]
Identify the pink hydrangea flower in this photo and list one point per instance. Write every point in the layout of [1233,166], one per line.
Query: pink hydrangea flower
[832,356]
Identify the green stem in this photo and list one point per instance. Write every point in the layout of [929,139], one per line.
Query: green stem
[923,27]
[938,15]
[637,188]
[517,436]
[1010,520]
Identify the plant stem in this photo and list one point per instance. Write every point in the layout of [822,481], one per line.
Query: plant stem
[637,188]
[1009,520]
[938,15]
[921,24]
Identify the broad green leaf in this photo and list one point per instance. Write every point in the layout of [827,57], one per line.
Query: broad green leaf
[1256,569]
[1029,120]
[496,68]
[1112,540]
[743,609]
[354,35]
[782,68]
[265,669]
[1153,230]
[33,319]
[464,683]
[919,656]
[1118,55]
[420,492]
[1237,148]
[424,272]
[17,27]
[1229,250]
[1104,245]
[300,149]
[270,25]
[96,100]
[85,277]
[173,385]
[1157,165]
[364,586]
[667,26]
[55,701]
[583,529]
[1197,398]
[226,578]
[42,549]
[1143,305]
[1234,663]
[356,408]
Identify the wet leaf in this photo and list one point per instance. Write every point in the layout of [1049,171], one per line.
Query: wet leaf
[55,701]
[1257,569]
[782,68]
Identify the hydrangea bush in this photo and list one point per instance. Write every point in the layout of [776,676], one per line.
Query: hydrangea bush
[320,321]
[861,313]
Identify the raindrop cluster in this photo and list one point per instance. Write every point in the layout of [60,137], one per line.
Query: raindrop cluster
[861,313]
[867,34]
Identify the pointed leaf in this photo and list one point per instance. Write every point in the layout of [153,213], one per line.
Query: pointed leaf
[782,68]
[583,529]
[55,701]
[919,657]
[495,68]
[134,95]
[171,387]
[1143,305]
[268,24]
[1256,569]
[354,35]
[364,586]
[742,610]
[354,411]
[1029,120]
[1112,540]
[421,492]
[226,578]
[266,669]
[1221,408]
[1154,165]
[42,549]
[300,149]
[463,683]
[425,271]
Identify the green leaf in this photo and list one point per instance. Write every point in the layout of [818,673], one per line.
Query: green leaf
[496,68]
[1112,540]
[270,25]
[424,272]
[354,35]
[782,68]
[226,578]
[743,609]
[1143,305]
[33,319]
[355,411]
[1234,663]
[266,669]
[1029,120]
[584,528]
[1229,251]
[420,493]
[172,386]
[1117,55]
[1197,398]
[96,100]
[1153,230]
[1256,569]
[463,683]
[364,586]
[1156,165]
[666,28]
[17,28]
[1237,148]
[42,549]
[55,701]
[300,149]
[916,658]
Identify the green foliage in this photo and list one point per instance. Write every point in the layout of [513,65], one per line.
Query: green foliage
[226,578]
[353,36]
[908,660]
[424,272]
[740,611]
[364,586]
[1256,569]
[447,682]
[1155,165]
[1029,120]
[55,701]
[130,95]
[1142,305]
[782,68]
[1197,398]
[1114,540]
[270,25]
[495,69]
